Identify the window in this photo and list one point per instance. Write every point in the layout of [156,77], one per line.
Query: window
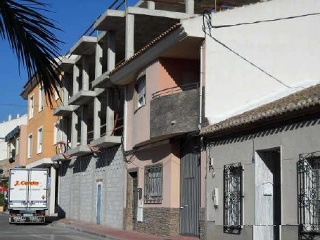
[140,93]
[17,145]
[232,197]
[31,106]
[308,168]
[30,146]
[39,140]
[56,132]
[41,99]
[153,184]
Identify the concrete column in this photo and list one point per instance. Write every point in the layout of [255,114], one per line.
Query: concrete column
[64,128]
[52,199]
[111,51]
[75,83]
[96,118]
[85,73]
[84,125]
[109,113]
[151,5]
[129,44]
[74,131]
[190,6]
[65,96]
[98,61]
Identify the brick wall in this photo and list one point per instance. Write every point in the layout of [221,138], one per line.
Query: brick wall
[78,180]
[159,221]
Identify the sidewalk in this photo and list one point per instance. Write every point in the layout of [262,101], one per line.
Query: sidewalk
[112,233]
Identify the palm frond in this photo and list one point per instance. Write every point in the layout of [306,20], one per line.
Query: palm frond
[30,35]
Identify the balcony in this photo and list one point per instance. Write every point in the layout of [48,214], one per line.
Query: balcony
[103,81]
[111,138]
[82,97]
[79,151]
[174,111]
[64,110]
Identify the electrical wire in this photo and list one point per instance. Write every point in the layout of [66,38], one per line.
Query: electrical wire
[207,24]
[263,21]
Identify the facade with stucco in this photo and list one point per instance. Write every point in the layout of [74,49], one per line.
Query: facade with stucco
[262,171]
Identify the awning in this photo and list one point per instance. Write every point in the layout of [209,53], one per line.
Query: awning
[11,134]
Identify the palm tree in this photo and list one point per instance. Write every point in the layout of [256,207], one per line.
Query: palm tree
[30,35]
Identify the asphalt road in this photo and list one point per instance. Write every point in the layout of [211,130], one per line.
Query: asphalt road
[39,232]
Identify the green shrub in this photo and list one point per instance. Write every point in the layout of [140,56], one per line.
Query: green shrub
[1,199]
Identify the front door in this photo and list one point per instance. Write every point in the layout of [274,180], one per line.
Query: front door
[268,195]
[190,190]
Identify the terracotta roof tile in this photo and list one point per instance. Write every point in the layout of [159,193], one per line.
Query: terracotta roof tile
[145,48]
[301,100]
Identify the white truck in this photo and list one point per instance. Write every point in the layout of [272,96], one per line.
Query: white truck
[27,195]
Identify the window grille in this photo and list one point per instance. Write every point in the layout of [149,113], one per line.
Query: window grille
[232,197]
[153,184]
[308,168]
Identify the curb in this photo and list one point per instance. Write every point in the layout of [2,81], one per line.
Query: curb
[79,229]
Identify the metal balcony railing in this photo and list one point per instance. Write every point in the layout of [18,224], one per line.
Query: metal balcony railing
[175,89]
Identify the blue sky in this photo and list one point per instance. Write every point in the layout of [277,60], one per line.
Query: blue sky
[73,17]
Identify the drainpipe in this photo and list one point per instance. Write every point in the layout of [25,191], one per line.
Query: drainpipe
[125,119]
[201,85]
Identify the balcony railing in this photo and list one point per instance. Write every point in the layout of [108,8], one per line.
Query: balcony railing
[176,89]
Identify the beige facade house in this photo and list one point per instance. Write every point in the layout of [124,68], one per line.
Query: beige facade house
[41,136]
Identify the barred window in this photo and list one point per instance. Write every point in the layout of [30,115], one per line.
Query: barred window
[153,184]
[308,168]
[232,197]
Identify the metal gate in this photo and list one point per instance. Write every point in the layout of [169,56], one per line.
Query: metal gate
[308,169]
[190,190]
[98,217]
[134,199]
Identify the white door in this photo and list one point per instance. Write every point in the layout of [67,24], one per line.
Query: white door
[267,195]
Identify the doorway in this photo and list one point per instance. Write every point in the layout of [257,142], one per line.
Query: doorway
[98,216]
[267,195]
[132,199]
[190,188]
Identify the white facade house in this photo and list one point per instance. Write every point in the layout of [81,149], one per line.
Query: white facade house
[262,80]
[5,128]
[274,55]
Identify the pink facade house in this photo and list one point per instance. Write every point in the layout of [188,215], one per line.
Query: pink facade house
[165,180]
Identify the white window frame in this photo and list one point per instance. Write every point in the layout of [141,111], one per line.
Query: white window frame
[140,92]
[17,145]
[31,106]
[41,99]
[29,146]
[39,139]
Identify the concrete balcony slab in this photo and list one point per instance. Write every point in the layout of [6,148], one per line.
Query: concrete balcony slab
[102,81]
[84,46]
[65,110]
[106,141]
[60,157]
[82,97]
[79,151]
